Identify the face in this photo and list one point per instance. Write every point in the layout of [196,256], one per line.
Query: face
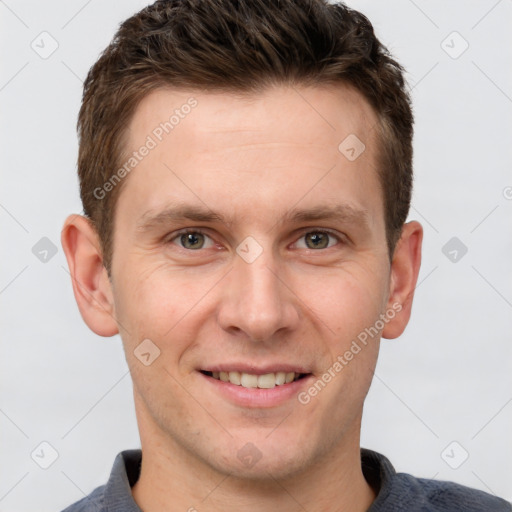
[249,247]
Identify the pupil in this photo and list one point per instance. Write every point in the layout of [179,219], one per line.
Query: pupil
[316,240]
[191,240]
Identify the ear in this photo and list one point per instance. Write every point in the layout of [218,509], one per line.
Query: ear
[91,285]
[405,268]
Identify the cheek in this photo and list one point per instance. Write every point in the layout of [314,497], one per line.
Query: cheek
[158,303]
[347,311]
[346,301]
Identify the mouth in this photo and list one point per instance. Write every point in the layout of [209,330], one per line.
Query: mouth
[250,380]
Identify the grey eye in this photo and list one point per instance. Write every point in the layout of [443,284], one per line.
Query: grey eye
[193,240]
[317,240]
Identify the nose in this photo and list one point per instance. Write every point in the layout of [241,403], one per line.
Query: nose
[257,302]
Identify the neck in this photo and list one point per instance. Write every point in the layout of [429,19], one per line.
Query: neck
[174,479]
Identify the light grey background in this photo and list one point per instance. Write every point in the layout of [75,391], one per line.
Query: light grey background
[448,378]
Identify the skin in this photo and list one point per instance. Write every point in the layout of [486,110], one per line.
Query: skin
[252,160]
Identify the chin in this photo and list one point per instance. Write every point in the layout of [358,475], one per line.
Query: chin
[274,466]
[260,457]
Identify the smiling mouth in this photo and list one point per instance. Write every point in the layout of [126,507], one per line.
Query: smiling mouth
[248,380]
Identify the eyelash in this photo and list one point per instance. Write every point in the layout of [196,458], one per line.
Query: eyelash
[187,231]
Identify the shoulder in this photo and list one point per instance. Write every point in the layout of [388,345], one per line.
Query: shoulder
[401,492]
[116,494]
[94,502]
[426,495]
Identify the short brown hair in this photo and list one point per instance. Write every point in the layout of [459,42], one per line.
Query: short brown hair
[240,46]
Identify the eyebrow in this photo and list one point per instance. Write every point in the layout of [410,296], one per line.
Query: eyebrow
[339,212]
[151,220]
[181,212]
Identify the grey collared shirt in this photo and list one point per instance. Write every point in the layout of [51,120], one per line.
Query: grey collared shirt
[396,492]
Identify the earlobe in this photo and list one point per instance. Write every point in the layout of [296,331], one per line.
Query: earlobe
[405,268]
[91,285]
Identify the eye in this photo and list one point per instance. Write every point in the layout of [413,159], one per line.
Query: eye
[317,240]
[192,240]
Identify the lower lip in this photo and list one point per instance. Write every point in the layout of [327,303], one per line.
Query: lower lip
[257,397]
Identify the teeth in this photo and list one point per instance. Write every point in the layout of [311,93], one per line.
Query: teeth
[280,378]
[248,380]
[234,378]
[267,381]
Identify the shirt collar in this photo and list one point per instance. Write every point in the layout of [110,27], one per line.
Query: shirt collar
[377,471]
[125,472]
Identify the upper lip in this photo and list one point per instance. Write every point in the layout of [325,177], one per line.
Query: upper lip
[255,369]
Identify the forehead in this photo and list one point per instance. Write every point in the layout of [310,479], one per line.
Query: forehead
[277,146]
[307,111]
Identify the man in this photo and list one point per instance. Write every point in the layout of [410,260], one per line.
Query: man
[246,172]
